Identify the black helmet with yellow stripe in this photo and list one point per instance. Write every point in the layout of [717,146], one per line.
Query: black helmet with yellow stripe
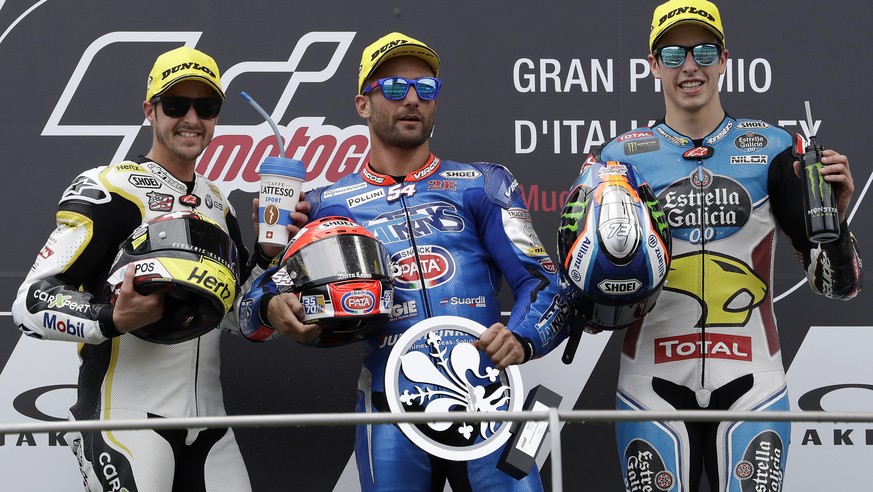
[190,257]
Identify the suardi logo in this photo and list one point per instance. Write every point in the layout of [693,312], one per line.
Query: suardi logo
[236,151]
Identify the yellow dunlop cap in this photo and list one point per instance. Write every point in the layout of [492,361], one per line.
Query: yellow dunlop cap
[389,46]
[675,12]
[182,64]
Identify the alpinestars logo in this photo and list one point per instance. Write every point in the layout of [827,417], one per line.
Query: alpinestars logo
[236,151]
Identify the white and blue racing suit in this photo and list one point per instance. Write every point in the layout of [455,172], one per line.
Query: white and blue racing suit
[451,231]
[711,340]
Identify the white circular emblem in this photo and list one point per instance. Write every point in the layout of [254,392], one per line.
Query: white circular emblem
[434,367]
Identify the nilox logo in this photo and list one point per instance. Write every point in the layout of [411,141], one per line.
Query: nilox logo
[232,159]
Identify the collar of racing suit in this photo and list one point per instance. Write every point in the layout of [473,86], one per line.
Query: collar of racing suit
[377,178]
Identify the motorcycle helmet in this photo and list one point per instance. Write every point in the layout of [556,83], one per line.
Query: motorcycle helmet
[190,257]
[342,275]
[613,245]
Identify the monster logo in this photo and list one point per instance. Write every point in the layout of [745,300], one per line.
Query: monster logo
[728,293]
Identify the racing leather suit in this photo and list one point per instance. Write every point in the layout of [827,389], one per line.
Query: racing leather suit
[65,297]
[711,340]
[451,230]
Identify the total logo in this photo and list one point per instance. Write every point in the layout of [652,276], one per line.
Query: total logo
[232,159]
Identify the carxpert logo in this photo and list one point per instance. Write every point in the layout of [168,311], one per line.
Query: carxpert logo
[232,159]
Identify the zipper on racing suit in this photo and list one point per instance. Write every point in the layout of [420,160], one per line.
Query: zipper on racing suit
[701,177]
[698,154]
[410,230]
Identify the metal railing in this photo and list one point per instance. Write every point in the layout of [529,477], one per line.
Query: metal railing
[553,417]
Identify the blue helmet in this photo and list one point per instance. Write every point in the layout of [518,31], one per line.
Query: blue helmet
[613,245]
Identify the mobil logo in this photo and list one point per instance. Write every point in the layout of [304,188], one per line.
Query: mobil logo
[425,266]
[358,301]
[231,161]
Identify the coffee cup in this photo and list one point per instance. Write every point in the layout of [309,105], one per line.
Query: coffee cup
[281,180]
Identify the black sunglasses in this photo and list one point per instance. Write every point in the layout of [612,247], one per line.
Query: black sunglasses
[207,108]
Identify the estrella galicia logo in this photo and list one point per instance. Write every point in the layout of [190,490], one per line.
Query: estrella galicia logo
[706,209]
[751,142]
[645,468]
[762,466]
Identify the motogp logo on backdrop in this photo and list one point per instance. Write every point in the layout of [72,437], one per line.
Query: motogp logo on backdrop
[232,159]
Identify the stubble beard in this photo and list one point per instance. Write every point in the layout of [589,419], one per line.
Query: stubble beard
[165,138]
[390,133]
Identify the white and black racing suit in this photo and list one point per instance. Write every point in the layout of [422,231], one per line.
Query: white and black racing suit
[711,340]
[65,296]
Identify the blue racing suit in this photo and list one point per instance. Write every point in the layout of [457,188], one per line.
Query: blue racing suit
[451,231]
[711,340]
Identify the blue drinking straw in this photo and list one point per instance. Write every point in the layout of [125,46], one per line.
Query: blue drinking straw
[263,113]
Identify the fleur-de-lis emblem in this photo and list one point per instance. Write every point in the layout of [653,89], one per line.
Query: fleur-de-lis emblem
[434,368]
[452,382]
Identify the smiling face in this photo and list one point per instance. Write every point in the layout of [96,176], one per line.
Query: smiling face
[406,123]
[177,142]
[690,90]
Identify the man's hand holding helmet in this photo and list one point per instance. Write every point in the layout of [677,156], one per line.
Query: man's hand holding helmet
[134,310]
[174,278]
[286,314]
[340,278]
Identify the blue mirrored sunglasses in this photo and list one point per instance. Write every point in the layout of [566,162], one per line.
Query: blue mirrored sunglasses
[396,88]
[704,54]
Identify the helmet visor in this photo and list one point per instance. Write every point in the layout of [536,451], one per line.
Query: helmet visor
[341,257]
[198,236]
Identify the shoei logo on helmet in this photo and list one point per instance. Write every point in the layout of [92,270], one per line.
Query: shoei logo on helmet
[336,223]
[619,286]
